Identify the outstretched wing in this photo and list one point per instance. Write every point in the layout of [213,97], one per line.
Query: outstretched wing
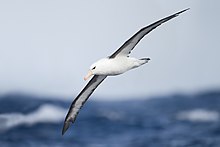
[128,46]
[80,100]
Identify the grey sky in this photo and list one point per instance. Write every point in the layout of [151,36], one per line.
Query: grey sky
[47,46]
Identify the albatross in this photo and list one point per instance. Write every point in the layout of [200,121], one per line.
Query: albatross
[115,64]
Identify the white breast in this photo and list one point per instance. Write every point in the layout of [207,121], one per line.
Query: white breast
[116,66]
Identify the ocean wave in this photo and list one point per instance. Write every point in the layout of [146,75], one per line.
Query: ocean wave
[199,115]
[46,113]
[112,115]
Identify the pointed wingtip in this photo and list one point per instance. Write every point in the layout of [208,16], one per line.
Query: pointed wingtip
[65,127]
[182,11]
[186,9]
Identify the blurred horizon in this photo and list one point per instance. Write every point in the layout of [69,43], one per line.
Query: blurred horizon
[103,98]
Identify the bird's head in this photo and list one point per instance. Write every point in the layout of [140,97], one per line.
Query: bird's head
[96,68]
[92,71]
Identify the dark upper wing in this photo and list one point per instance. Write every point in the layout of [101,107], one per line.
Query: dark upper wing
[81,99]
[128,46]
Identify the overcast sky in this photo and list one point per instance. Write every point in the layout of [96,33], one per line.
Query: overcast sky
[47,46]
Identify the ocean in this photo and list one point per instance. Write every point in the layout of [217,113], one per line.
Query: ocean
[165,121]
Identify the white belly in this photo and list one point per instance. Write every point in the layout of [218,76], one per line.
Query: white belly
[118,65]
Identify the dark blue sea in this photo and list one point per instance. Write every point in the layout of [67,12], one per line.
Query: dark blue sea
[166,121]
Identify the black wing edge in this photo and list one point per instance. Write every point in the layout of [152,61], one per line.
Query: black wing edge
[157,22]
[67,122]
[65,127]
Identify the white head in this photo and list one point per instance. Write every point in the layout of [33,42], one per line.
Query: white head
[96,68]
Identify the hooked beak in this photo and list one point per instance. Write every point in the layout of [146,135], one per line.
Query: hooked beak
[88,75]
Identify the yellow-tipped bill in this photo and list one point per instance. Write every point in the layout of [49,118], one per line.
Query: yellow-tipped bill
[88,75]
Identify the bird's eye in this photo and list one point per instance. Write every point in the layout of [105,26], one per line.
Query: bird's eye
[94,67]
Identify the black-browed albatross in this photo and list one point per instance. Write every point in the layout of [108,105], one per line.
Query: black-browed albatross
[118,63]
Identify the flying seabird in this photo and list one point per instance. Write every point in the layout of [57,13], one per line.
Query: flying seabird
[118,63]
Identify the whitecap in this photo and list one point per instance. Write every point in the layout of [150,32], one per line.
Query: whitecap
[199,115]
[44,114]
[112,115]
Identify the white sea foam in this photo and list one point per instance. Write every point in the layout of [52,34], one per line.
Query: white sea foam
[112,115]
[44,114]
[199,115]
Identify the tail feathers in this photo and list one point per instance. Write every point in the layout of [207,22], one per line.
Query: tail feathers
[144,60]
[147,59]
[65,126]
